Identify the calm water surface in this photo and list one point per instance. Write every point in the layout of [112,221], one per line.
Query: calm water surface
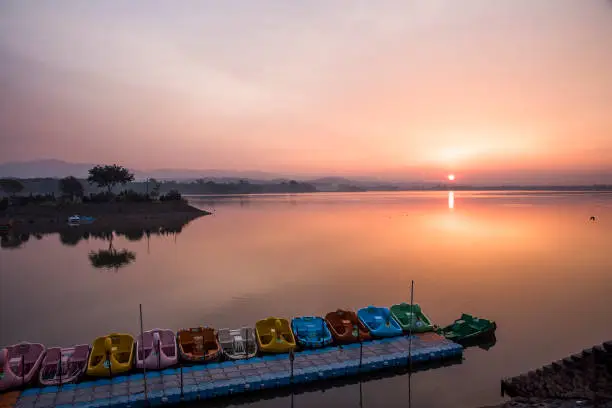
[531,261]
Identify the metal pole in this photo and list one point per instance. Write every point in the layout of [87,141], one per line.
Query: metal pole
[360,348]
[246,343]
[410,326]
[60,369]
[360,395]
[182,394]
[291,359]
[322,332]
[159,354]
[144,369]
[110,368]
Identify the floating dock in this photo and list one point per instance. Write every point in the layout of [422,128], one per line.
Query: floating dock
[201,382]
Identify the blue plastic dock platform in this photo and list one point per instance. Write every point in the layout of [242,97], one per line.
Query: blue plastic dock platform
[221,379]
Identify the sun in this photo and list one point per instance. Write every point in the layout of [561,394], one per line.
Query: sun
[451,177]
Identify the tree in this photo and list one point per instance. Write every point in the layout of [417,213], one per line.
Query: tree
[11,186]
[155,189]
[109,176]
[71,186]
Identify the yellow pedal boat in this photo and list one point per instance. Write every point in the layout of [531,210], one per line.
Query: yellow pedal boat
[274,335]
[111,355]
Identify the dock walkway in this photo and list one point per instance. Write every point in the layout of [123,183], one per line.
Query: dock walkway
[200,382]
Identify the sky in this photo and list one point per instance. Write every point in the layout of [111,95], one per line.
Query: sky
[411,89]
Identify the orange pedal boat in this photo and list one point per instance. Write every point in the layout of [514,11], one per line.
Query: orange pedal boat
[345,327]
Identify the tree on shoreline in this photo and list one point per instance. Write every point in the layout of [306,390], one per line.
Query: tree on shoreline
[109,176]
[71,186]
[11,186]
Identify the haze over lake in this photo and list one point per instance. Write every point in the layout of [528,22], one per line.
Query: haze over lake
[533,262]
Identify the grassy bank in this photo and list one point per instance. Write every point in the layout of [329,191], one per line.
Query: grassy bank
[52,217]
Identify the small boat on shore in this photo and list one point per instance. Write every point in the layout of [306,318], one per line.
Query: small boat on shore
[159,348]
[63,365]
[111,355]
[345,327]
[75,220]
[411,318]
[274,335]
[379,321]
[238,344]
[198,344]
[468,328]
[19,364]
[311,331]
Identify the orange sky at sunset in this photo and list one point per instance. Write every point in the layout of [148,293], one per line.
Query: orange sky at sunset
[507,90]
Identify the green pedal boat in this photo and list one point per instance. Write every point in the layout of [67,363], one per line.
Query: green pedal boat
[468,328]
[411,318]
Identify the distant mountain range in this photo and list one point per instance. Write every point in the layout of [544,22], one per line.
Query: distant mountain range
[57,169]
[52,168]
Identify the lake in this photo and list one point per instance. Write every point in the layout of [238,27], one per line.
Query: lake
[533,262]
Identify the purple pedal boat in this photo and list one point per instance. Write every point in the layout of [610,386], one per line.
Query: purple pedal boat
[19,364]
[64,365]
[159,348]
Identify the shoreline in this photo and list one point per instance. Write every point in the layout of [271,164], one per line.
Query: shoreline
[44,219]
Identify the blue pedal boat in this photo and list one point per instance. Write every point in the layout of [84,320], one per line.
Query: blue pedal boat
[379,321]
[311,331]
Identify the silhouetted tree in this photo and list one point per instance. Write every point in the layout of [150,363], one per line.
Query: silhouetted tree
[156,185]
[71,186]
[109,176]
[11,186]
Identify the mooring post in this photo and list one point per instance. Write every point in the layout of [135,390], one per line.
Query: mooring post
[159,354]
[23,370]
[144,369]
[360,395]
[60,369]
[246,343]
[360,351]
[182,393]
[291,360]
[108,359]
[412,322]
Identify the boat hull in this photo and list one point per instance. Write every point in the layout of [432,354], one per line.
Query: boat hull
[111,355]
[411,318]
[19,364]
[159,348]
[274,335]
[342,327]
[64,365]
[238,344]
[311,332]
[198,345]
[468,329]
[379,321]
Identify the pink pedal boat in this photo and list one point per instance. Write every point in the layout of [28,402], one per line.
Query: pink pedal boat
[19,364]
[64,365]
[160,351]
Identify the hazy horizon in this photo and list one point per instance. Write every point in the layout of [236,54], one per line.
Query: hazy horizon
[511,91]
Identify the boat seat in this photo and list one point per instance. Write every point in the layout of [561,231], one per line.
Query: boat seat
[53,356]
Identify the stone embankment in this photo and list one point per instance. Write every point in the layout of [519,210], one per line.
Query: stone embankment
[582,379]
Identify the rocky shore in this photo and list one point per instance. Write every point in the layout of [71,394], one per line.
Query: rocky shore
[583,379]
[520,402]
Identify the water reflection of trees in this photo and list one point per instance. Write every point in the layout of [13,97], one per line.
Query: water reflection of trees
[13,241]
[111,258]
[72,236]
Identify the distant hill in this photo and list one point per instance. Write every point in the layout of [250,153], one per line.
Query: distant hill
[58,168]
[44,168]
